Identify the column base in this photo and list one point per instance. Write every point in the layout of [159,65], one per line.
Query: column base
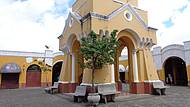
[67,87]
[46,84]
[22,85]
[148,87]
[118,86]
[137,88]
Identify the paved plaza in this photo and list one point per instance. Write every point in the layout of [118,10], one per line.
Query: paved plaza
[36,97]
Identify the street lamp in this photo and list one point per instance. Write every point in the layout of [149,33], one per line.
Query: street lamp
[45,67]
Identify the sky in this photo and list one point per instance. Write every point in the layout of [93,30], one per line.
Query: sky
[29,25]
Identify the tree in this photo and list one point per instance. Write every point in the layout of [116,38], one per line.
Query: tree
[98,50]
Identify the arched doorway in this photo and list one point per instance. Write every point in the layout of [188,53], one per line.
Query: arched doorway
[122,73]
[123,63]
[126,44]
[33,76]
[175,71]
[10,76]
[76,59]
[56,71]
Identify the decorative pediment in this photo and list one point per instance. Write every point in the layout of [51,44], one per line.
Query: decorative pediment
[115,13]
[69,21]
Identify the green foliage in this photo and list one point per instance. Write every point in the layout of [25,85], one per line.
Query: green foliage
[98,50]
[44,67]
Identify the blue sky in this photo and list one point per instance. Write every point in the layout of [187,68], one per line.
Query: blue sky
[29,25]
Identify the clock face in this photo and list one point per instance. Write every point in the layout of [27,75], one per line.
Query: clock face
[128,16]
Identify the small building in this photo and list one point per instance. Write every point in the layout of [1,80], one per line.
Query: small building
[173,63]
[29,69]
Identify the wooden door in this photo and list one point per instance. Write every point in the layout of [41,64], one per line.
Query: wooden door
[33,76]
[10,80]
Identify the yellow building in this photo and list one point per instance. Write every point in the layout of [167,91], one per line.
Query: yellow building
[29,69]
[134,33]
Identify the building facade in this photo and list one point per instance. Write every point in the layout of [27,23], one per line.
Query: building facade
[173,63]
[29,69]
[104,16]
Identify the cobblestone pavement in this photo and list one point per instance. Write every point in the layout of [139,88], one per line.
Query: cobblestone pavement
[175,97]
[36,97]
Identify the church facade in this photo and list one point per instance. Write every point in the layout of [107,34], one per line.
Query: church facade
[134,33]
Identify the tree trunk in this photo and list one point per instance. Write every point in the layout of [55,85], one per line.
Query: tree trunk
[93,88]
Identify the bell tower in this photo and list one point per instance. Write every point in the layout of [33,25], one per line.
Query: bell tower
[133,32]
[83,7]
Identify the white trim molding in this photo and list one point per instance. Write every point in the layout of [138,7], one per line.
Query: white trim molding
[118,1]
[87,84]
[50,54]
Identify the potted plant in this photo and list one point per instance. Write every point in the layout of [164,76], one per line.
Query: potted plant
[97,51]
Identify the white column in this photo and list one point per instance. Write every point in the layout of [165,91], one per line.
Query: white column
[73,68]
[112,74]
[135,66]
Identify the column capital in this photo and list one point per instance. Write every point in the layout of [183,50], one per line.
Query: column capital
[135,51]
[140,49]
[66,50]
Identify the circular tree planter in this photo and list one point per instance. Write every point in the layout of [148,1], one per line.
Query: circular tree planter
[93,98]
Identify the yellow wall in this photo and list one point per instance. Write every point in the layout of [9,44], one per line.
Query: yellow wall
[83,6]
[141,66]
[100,76]
[150,66]
[19,61]
[124,63]
[58,58]
[188,73]
[109,6]
[46,77]
[161,74]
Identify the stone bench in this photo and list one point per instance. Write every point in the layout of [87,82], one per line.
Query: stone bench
[80,94]
[52,89]
[159,88]
[108,90]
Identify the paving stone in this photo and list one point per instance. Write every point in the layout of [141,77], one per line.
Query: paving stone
[36,97]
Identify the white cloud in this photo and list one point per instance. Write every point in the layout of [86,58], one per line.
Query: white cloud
[29,25]
[32,24]
[162,10]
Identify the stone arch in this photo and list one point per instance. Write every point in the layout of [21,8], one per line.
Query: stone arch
[130,39]
[72,38]
[175,71]
[56,70]
[130,34]
[33,76]
[172,51]
[72,73]
[57,61]
[76,58]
